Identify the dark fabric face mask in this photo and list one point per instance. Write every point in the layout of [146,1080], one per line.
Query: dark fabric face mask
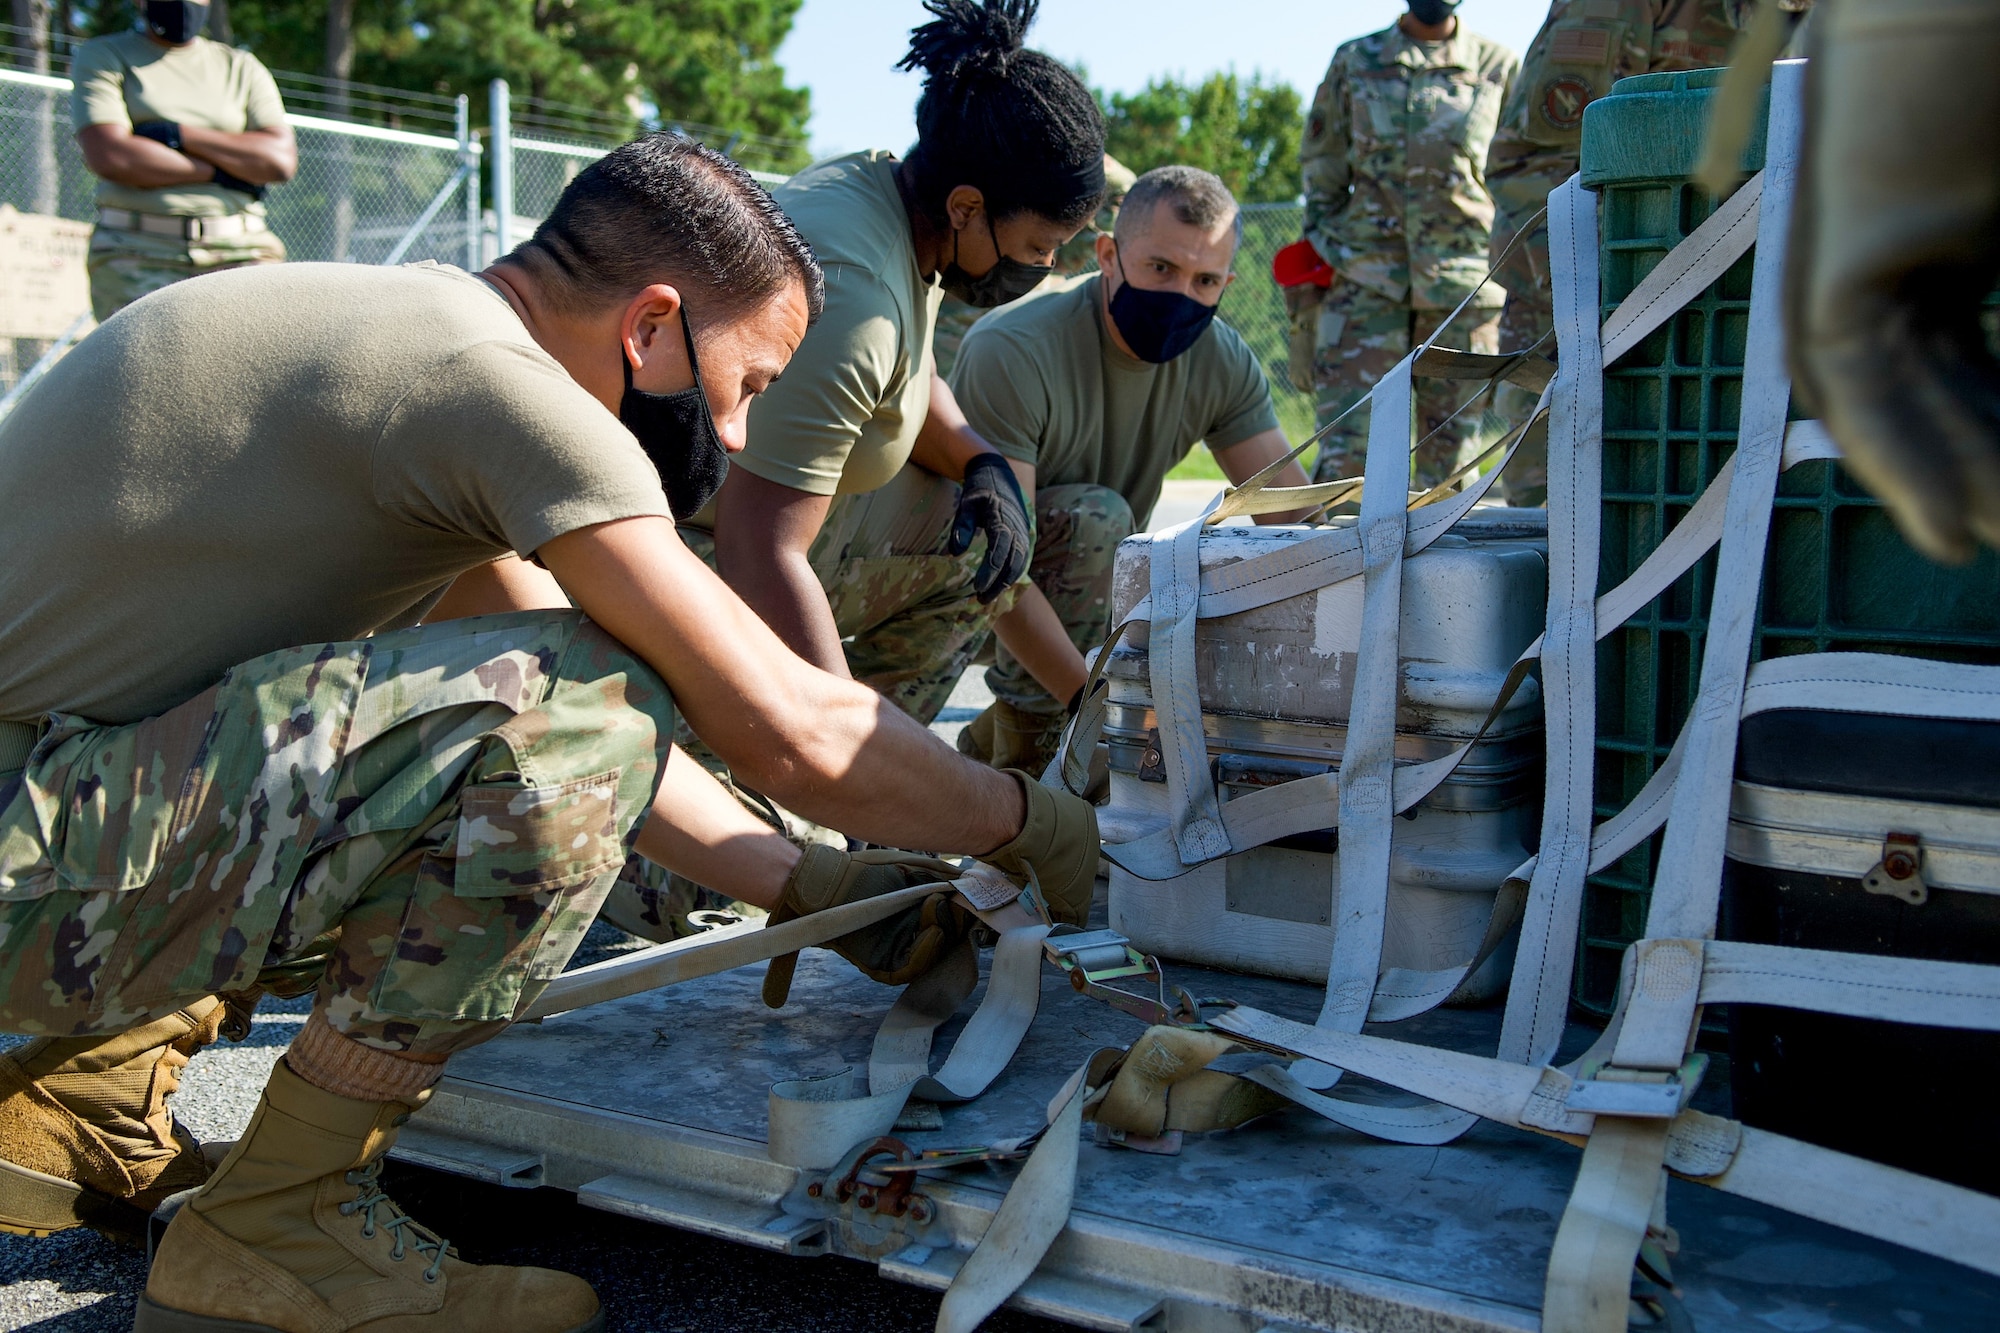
[1008,280]
[1158,326]
[677,431]
[175,21]
[1428,12]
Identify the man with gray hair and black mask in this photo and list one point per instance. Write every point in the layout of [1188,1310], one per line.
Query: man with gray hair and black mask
[1093,389]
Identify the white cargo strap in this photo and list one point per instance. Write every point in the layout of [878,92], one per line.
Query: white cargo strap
[1196,820]
[1861,1196]
[1368,757]
[1569,645]
[814,1122]
[1028,1221]
[1589,1274]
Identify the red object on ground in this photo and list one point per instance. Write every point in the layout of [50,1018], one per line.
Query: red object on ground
[1298,264]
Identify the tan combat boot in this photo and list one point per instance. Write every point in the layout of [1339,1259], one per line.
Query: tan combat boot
[294,1235]
[86,1137]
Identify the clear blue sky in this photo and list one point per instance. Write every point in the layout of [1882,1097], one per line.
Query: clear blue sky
[844,49]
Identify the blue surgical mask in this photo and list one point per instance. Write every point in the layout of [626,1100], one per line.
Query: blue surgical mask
[1158,326]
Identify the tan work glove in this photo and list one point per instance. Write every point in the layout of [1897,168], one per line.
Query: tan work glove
[1059,843]
[893,952]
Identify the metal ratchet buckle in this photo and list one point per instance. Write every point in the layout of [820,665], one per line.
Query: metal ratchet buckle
[1602,1089]
[1092,957]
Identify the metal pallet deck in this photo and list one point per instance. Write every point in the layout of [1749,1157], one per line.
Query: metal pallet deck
[654,1107]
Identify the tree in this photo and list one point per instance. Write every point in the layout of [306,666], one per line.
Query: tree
[1245,132]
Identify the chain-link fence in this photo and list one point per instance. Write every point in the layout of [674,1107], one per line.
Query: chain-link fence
[1255,308]
[538,148]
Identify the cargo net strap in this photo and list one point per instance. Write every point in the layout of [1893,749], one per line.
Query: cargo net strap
[1624,1100]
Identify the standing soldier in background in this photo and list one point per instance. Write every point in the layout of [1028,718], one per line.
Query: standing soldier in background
[1583,48]
[183,134]
[1394,159]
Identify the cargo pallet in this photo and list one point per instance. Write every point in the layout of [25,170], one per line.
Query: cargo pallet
[654,1108]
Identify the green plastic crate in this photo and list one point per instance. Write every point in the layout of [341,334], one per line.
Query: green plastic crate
[1837,576]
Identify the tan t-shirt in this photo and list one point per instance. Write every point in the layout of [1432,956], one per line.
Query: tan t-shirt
[127,78]
[274,456]
[846,413]
[1042,380]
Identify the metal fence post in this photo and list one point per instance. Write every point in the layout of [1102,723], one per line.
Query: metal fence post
[469,161]
[502,140]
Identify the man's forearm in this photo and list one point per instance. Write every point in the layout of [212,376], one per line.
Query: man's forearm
[1034,634]
[780,587]
[258,156]
[834,751]
[699,831]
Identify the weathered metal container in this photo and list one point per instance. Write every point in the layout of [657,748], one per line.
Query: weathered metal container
[1276,684]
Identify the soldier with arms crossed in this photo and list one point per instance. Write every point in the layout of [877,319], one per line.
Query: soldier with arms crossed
[183,135]
[225,763]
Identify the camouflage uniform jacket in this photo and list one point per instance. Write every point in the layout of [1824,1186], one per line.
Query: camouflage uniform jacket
[1394,158]
[1583,48]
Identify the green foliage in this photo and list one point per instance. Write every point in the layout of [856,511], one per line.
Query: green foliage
[709,63]
[1245,132]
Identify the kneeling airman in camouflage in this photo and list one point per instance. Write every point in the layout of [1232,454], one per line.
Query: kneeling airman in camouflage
[231,757]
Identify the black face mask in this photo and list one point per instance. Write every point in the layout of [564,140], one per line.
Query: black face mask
[1430,12]
[1008,280]
[175,21]
[677,431]
[1158,326]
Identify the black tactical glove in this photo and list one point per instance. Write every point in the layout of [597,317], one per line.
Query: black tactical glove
[229,182]
[990,501]
[893,952]
[166,132]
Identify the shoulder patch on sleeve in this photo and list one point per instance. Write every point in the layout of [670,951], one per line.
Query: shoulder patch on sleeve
[1562,100]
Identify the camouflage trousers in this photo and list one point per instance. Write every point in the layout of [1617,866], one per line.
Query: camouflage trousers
[1077,531]
[906,611]
[126,265]
[1525,321]
[425,822]
[909,615]
[1362,335]
[653,902]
